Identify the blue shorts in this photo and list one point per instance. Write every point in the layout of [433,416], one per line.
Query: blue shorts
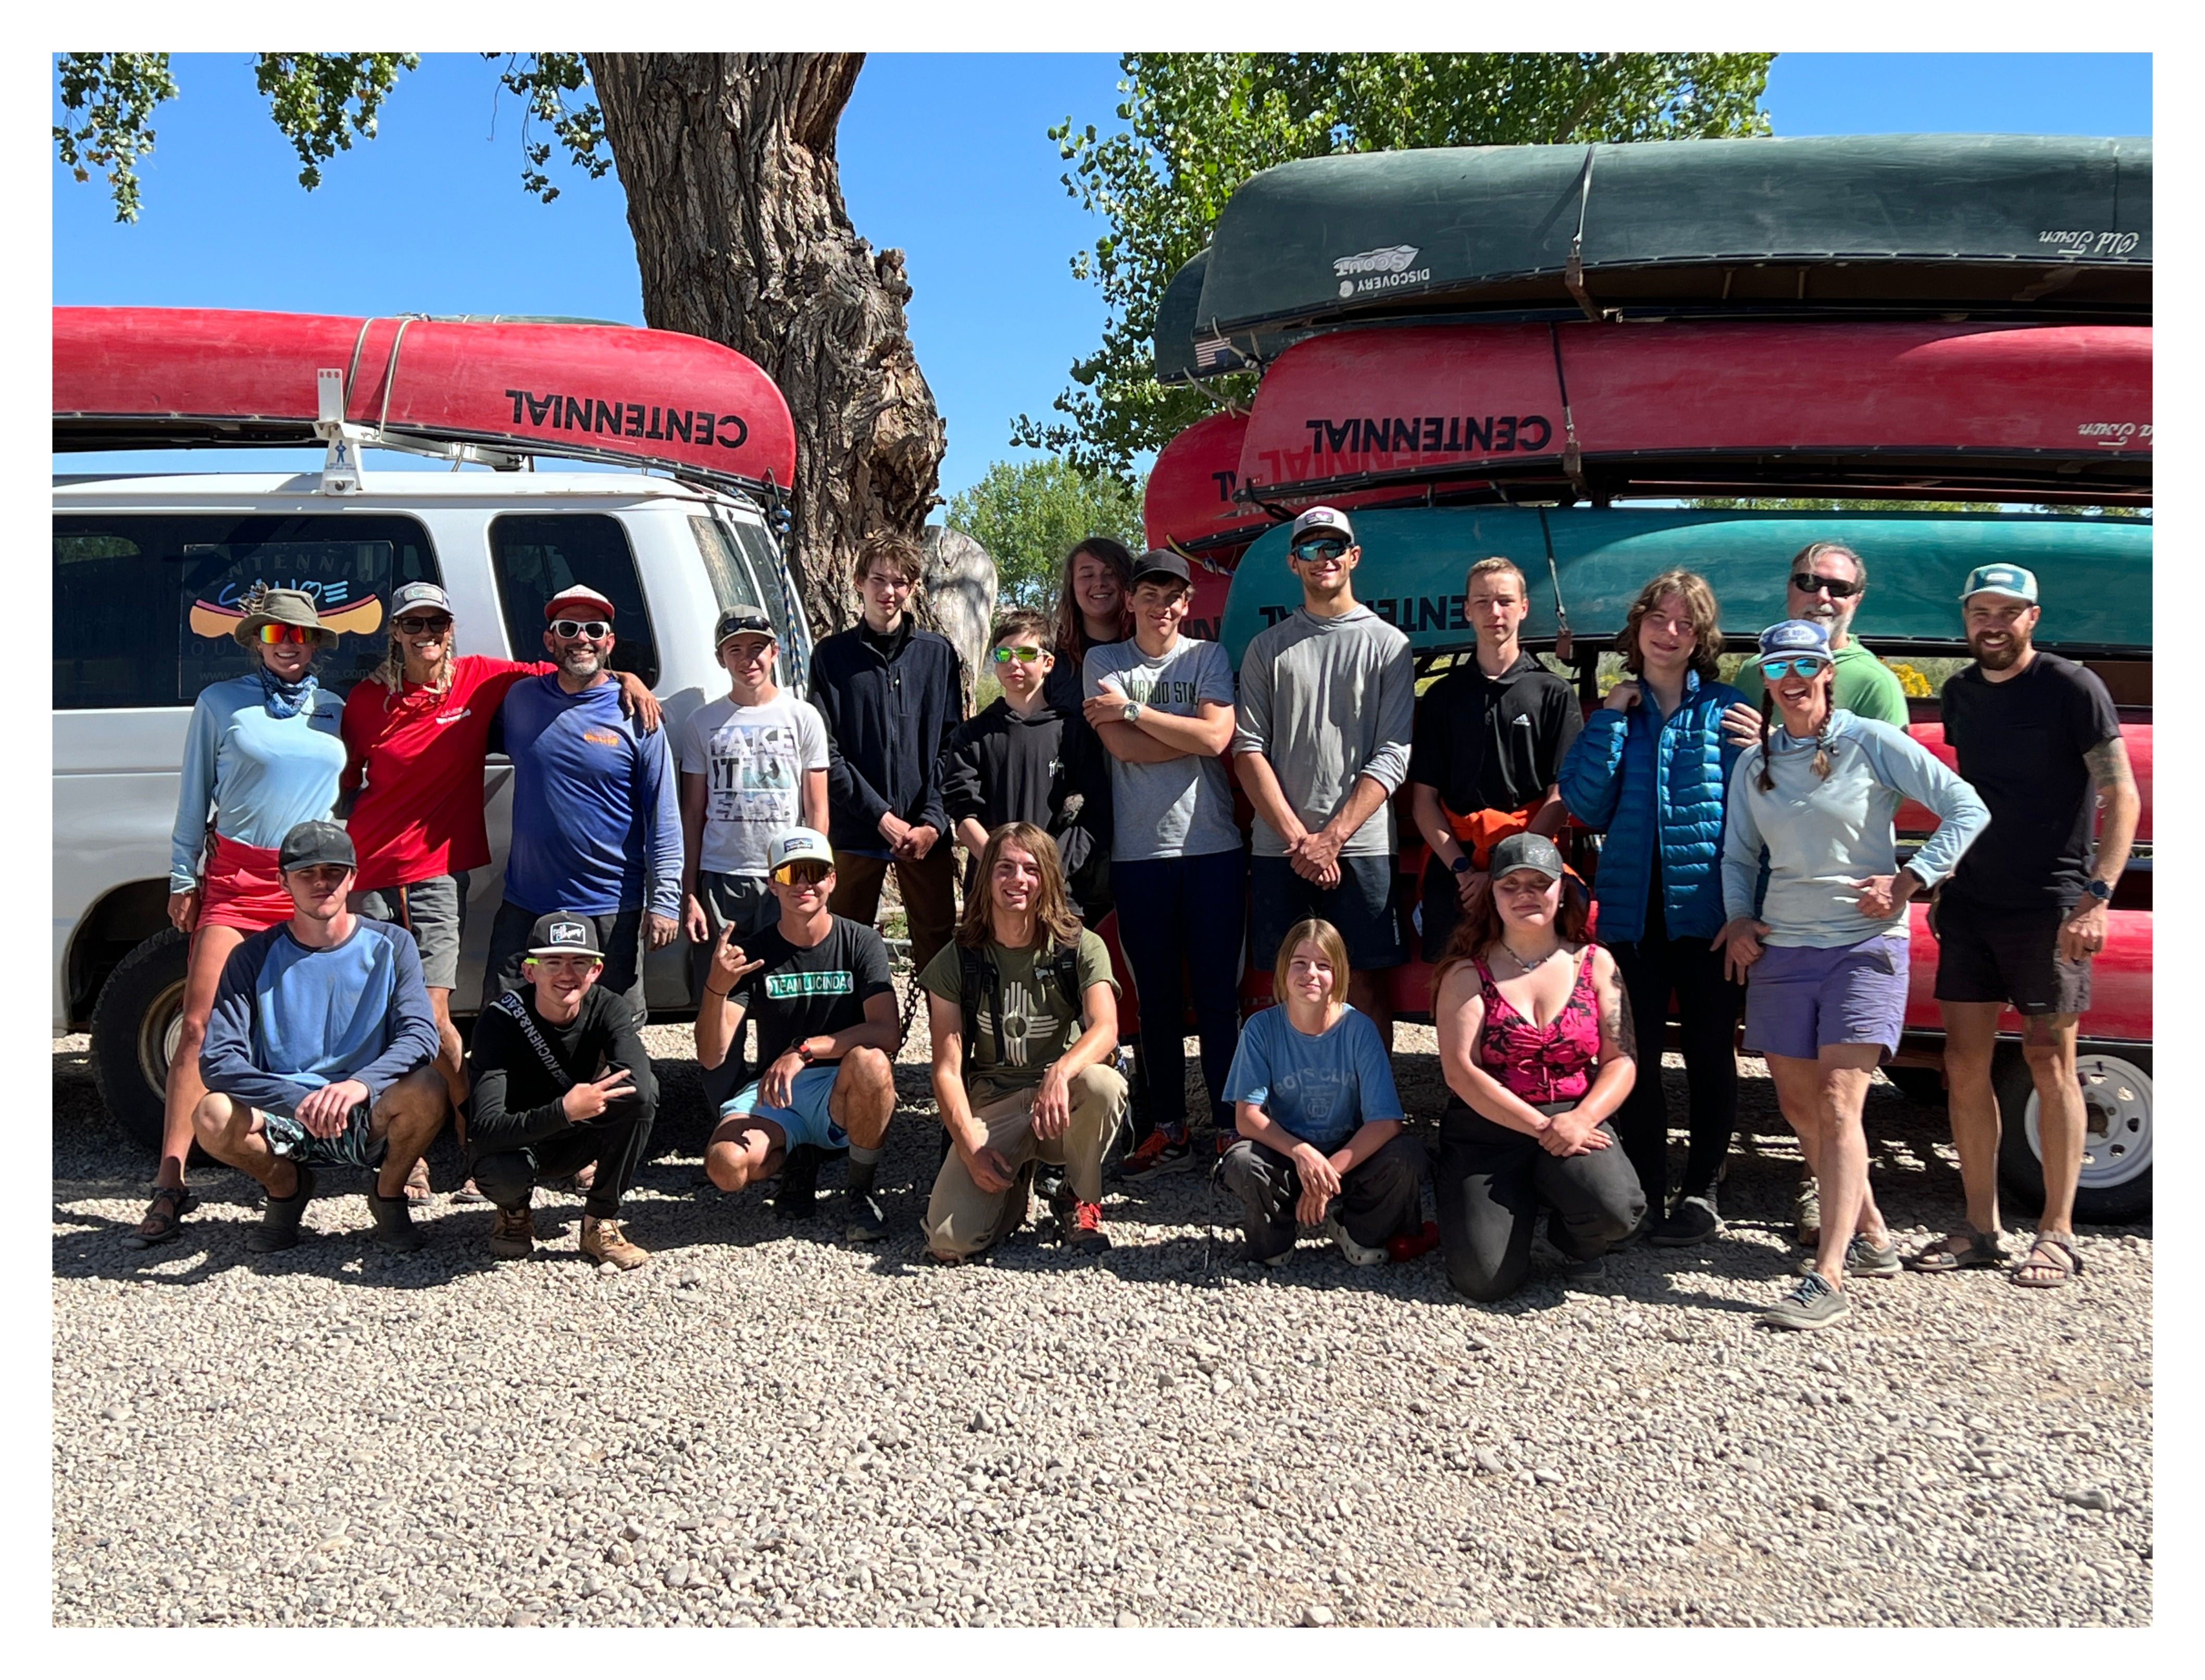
[1361,907]
[805,1119]
[1799,998]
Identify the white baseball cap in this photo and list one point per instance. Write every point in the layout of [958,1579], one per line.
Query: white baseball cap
[795,844]
[1320,518]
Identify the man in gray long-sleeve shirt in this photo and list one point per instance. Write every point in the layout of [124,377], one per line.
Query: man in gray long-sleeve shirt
[1328,699]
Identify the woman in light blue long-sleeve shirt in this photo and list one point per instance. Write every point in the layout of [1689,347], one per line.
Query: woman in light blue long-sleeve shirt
[1825,958]
[261,754]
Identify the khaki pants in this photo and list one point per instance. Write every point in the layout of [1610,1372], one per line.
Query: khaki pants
[929,887]
[962,1219]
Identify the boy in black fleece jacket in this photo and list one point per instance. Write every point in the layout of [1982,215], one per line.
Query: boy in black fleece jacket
[1022,760]
[560,1079]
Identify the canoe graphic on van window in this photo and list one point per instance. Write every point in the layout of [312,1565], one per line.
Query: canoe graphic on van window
[362,618]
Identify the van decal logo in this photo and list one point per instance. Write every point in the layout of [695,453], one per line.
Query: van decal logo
[218,619]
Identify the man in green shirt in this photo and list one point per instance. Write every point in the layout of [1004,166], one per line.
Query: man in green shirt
[1825,587]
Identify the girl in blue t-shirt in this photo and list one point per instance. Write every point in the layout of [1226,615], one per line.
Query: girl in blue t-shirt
[1320,1140]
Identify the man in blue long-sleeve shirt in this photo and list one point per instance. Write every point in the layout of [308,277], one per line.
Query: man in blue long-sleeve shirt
[320,1051]
[596,818]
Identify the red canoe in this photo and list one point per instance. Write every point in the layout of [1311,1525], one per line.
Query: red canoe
[137,378]
[1189,498]
[1931,407]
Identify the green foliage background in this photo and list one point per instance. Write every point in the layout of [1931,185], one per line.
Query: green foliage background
[1028,514]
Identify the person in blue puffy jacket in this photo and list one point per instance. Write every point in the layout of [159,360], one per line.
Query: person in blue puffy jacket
[1650,770]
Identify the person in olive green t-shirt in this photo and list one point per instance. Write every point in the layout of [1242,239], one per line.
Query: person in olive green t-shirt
[1864,684]
[1039,1083]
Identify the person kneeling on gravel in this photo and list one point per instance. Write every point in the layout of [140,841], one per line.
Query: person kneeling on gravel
[319,1050]
[560,1081]
[1024,1011]
[1320,1138]
[818,984]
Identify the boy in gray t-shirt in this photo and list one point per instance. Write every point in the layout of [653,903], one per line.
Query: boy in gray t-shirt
[1163,706]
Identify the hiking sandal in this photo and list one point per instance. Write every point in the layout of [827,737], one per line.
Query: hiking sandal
[2065,1269]
[419,1192]
[1984,1248]
[165,1214]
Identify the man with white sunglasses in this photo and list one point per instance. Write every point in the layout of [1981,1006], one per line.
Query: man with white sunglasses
[596,825]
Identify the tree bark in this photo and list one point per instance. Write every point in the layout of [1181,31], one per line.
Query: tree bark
[735,201]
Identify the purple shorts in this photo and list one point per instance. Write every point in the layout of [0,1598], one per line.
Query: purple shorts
[1800,997]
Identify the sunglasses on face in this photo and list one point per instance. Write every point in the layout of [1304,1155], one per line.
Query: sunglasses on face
[1775,670]
[1808,583]
[1320,548]
[1023,656]
[571,630]
[270,634]
[809,873]
[424,626]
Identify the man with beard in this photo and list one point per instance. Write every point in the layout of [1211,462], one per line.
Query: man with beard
[2025,912]
[596,825]
[1824,586]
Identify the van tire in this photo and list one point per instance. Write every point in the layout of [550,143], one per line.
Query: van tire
[2116,1182]
[132,1027]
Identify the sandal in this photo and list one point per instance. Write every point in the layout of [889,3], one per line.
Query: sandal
[165,1215]
[1984,1248]
[417,1191]
[468,1192]
[2064,1269]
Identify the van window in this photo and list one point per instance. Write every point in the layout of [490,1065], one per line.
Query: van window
[765,566]
[723,563]
[537,555]
[144,604]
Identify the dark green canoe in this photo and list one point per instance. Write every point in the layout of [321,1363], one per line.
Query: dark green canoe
[2000,227]
[1184,354]
[2094,574]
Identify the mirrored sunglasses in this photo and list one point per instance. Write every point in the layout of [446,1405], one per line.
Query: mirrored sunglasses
[575,630]
[1023,656]
[1775,670]
[1320,548]
[273,633]
[804,872]
[1807,582]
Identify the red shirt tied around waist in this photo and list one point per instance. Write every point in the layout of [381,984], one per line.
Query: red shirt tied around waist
[417,759]
[1549,1064]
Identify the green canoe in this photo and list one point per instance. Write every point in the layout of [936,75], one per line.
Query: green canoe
[2095,574]
[2001,227]
[1183,354]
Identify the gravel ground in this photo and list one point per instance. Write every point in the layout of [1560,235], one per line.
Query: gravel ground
[764,1426]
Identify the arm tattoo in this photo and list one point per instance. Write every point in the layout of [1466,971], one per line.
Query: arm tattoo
[2109,764]
[1615,1024]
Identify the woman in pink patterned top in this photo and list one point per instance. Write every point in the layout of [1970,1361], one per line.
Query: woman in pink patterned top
[1535,1042]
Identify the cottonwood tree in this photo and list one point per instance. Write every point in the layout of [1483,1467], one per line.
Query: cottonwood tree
[734,199]
[1200,123]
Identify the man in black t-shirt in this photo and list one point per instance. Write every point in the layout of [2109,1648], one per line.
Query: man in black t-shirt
[1487,746]
[2025,912]
[560,1079]
[818,986]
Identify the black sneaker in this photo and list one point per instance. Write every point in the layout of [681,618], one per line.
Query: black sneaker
[1694,1220]
[279,1224]
[1049,1182]
[861,1218]
[798,1194]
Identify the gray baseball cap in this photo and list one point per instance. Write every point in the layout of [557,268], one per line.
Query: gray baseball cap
[1525,850]
[309,844]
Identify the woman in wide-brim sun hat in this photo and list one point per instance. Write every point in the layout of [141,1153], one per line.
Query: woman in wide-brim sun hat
[1824,957]
[261,754]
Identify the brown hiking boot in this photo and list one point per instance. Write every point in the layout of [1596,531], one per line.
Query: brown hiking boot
[602,1241]
[512,1237]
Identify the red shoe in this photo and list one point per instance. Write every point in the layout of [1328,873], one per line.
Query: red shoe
[1408,1247]
[1083,1230]
[1159,1152]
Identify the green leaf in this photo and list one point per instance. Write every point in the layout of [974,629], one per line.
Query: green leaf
[116,93]
[1029,514]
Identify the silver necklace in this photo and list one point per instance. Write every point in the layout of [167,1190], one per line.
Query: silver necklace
[1528,968]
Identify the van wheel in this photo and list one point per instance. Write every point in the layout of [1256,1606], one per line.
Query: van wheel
[135,1027]
[2115,1187]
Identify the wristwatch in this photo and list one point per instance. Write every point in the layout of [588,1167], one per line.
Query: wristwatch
[804,1054]
[1132,711]
[1462,864]
[2100,890]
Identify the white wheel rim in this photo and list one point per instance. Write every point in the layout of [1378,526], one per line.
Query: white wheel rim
[2117,1121]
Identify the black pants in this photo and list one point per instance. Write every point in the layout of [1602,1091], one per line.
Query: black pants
[1490,1183]
[615,1141]
[1378,1200]
[1185,910]
[1708,1007]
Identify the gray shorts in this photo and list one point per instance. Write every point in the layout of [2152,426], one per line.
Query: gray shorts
[355,1146]
[435,911]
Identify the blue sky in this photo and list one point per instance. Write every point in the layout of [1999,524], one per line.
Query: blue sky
[945,156]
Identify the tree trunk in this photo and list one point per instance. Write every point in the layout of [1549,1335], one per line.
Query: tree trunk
[735,201]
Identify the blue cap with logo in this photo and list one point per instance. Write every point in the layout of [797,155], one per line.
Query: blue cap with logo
[2017,581]
[1797,639]
[562,934]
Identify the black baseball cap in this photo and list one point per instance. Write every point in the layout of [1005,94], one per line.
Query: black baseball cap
[562,934]
[309,844]
[743,622]
[1162,563]
[1526,851]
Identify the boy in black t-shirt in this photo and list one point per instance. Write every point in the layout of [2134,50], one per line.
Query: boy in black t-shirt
[2025,913]
[560,1079]
[826,1011]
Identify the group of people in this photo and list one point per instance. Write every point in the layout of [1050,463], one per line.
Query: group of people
[1748,865]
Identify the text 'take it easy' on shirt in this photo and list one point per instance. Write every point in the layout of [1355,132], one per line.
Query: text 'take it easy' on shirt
[1323,1088]
[753,760]
[1182,807]
[805,991]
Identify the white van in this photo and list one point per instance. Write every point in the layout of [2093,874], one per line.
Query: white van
[134,555]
